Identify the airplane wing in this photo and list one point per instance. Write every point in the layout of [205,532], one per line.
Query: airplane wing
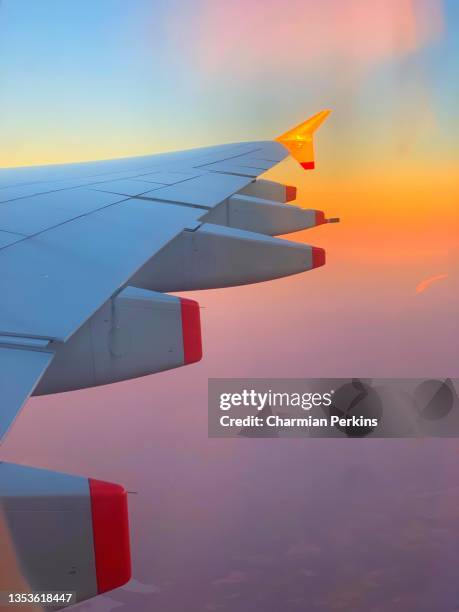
[72,236]
[88,250]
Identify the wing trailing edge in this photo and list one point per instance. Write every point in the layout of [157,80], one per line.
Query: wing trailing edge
[21,367]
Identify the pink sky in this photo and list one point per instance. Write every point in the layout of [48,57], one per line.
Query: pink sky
[291,36]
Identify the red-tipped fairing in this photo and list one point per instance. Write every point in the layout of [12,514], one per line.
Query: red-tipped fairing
[110,528]
[191,328]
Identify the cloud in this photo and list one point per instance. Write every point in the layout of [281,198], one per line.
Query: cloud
[302,549]
[234,577]
[423,285]
[279,36]
[135,586]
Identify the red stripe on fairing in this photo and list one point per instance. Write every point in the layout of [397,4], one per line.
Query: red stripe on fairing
[320,217]
[110,528]
[191,330]
[290,193]
[318,257]
[309,165]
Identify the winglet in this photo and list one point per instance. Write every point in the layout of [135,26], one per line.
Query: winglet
[299,140]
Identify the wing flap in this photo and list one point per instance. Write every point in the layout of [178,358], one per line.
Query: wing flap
[20,371]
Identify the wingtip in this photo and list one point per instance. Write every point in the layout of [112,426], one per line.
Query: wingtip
[306,128]
[311,124]
[299,140]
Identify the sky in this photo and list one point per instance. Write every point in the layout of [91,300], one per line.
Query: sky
[212,518]
[111,78]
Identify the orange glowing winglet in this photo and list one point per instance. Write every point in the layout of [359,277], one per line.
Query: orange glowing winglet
[299,142]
